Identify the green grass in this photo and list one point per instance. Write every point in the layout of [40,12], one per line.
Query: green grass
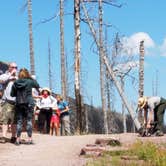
[148,154]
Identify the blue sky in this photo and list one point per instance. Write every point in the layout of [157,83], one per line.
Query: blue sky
[136,20]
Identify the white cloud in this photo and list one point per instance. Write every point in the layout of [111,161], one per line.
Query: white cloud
[131,44]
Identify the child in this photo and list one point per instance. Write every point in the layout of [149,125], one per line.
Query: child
[54,124]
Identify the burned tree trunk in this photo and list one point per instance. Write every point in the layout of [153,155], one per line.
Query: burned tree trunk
[141,70]
[123,106]
[77,65]
[49,66]
[141,77]
[102,73]
[63,59]
[32,61]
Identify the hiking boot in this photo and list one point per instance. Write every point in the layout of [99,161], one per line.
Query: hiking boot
[13,140]
[159,133]
[3,140]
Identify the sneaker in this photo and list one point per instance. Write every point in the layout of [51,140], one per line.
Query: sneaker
[30,142]
[13,140]
[159,133]
[17,143]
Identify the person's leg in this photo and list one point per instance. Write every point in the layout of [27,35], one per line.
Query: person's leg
[62,126]
[48,120]
[19,118]
[29,113]
[4,130]
[57,129]
[41,121]
[5,119]
[66,120]
[51,128]
[160,115]
[13,125]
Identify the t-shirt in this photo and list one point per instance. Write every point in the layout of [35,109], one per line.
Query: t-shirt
[153,102]
[47,103]
[62,106]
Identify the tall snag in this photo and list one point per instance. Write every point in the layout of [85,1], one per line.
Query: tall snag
[63,59]
[77,65]
[32,61]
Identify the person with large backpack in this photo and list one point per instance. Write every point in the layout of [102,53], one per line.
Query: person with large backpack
[22,90]
[8,102]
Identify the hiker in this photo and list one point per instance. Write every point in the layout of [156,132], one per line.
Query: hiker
[46,104]
[154,108]
[55,122]
[37,97]
[64,115]
[22,90]
[8,102]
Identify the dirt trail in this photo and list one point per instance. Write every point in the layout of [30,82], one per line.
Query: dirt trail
[57,151]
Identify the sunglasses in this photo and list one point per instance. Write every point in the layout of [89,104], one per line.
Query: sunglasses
[13,67]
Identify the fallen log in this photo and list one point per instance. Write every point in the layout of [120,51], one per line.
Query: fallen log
[129,158]
[92,151]
[108,141]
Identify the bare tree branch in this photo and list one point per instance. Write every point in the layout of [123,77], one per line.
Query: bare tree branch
[48,20]
[108,2]
[23,8]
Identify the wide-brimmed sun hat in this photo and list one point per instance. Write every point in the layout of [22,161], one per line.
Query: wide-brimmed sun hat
[142,102]
[46,89]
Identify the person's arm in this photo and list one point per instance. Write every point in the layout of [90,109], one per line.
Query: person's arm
[150,118]
[4,78]
[66,108]
[53,103]
[145,116]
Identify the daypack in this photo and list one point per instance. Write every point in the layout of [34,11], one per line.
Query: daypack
[21,96]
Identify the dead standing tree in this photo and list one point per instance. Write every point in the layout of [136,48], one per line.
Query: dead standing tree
[77,53]
[103,76]
[141,76]
[32,61]
[49,66]
[106,61]
[102,72]
[63,58]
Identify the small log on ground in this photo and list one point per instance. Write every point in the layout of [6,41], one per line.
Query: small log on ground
[129,157]
[91,145]
[92,151]
[108,141]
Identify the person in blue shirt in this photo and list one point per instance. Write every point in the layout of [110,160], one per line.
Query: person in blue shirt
[64,115]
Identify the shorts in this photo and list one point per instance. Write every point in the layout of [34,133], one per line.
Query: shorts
[54,119]
[8,113]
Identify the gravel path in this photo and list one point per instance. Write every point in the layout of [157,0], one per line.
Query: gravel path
[57,151]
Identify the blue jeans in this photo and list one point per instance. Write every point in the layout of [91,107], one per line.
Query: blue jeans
[24,111]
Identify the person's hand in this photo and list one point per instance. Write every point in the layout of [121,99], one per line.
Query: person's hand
[13,72]
[148,126]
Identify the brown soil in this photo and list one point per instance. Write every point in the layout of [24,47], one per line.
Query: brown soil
[59,151]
